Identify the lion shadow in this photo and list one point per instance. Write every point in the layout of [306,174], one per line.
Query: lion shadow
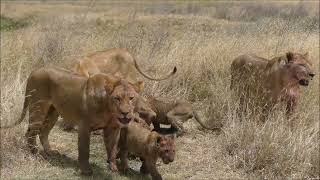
[135,175]
[63,161]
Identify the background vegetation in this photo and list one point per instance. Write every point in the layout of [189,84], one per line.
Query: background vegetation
[201,38]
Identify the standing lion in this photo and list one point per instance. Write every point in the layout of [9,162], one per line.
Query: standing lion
[101,101]
[262,83]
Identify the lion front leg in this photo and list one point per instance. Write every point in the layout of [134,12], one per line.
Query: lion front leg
[124,160]
[111,138]
[123,150]
[143,168]
[150,166]
[84,148]
[291,106]
[176,123]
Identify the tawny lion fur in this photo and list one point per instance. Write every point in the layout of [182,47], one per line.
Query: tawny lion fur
[169,112]
[114,61]
[99,102]
[264,83]
[148,145]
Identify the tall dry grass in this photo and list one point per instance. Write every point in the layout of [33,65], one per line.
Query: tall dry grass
[201,40]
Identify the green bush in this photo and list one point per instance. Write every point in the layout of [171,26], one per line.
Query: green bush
[11,24]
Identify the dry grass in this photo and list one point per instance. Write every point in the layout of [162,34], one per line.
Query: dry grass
[201,39]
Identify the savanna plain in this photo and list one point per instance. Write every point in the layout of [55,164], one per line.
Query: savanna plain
[201,38]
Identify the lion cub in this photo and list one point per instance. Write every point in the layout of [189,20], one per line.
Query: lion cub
[148,145]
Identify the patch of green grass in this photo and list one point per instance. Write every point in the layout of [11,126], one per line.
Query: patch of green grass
[8,24]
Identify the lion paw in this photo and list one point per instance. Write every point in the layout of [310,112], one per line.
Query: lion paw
[52,152]
[86,172]
[113,167]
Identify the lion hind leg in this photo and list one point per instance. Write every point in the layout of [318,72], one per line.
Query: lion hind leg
[31,140]
[37,115]
[51,119]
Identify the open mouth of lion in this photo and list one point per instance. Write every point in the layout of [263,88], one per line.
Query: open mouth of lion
[166,162]
[304,82]
[124,120]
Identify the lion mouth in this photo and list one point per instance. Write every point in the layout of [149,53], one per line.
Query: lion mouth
[304,82]
[166,162]
[124,120]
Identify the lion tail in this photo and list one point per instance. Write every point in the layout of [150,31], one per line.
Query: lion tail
[23,114]
[151,78]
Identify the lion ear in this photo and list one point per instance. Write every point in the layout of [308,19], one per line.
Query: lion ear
[139,86]
[110,82]
[289,56]
[306,55]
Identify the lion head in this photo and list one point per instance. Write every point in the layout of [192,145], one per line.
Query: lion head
[112,95]
[166,148]
[299,68]
[298,73]
[298,58]
[296,66]
[292,58]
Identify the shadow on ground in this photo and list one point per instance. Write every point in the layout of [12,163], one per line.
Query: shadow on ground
[63,161]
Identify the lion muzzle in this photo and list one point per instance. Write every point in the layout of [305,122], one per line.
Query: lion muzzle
[168,160]
[125,118]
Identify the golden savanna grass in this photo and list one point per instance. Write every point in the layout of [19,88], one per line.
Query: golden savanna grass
[201,39]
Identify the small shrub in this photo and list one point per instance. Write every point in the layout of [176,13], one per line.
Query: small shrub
[8,24]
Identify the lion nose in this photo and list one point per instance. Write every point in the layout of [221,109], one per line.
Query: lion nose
[125,114]
[312,74]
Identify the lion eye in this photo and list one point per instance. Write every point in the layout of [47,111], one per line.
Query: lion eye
[131,98]
[116,98]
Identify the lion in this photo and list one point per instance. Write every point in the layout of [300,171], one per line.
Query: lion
[101,101]
[142,110]
[264,83]
[148,145]
[115,61]
[157,111]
